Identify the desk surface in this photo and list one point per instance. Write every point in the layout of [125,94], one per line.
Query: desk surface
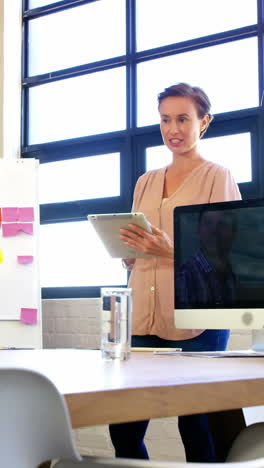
[146,386]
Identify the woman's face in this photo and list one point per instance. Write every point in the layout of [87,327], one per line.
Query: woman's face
[180,125]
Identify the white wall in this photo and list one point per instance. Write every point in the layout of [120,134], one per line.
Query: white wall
[1,73]
[10,77]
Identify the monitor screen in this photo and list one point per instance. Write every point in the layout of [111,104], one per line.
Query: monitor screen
[219,265]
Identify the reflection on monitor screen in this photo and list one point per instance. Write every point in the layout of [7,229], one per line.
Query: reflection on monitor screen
[219,265]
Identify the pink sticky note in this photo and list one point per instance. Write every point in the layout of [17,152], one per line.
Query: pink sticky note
[10,214]
[26,214]
[25,227]
[28,316]
[25,259]
[9,229]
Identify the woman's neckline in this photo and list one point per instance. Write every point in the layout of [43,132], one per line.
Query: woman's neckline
[185,180]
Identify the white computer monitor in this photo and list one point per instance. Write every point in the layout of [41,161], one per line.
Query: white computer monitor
[219,265]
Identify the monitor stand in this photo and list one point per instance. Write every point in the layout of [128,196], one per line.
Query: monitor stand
[257,340]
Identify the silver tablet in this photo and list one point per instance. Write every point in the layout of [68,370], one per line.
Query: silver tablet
[108,226]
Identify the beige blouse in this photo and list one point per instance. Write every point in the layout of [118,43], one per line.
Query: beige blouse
[152,278]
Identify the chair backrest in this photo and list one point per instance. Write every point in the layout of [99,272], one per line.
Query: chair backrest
[34,419]
[249,444]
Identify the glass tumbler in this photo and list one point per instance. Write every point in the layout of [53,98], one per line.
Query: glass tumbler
[116,311]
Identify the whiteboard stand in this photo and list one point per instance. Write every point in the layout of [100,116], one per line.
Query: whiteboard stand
[19,283]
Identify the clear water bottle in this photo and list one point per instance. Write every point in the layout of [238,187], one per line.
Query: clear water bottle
[116,312]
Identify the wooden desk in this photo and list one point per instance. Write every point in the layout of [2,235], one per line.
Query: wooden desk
[150,386]
[146,386]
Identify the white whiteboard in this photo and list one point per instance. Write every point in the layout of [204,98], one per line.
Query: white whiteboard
[19,283]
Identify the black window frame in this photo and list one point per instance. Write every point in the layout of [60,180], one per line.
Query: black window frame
[132,142]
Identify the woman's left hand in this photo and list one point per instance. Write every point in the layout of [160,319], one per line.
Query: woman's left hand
[157,243]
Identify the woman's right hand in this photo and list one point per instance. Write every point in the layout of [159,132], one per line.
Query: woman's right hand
[128,263]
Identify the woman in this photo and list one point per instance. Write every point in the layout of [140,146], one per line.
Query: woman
[189,179]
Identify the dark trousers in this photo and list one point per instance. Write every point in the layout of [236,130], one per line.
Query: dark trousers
[128,438]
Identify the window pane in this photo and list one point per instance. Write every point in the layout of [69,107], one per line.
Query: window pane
[40,3]
[77,179]
[228,73]
[71,254]
[157,157]
[170,23]
[77,36]
[231,151]
[85,105]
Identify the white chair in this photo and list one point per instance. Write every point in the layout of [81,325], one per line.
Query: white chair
[249,444]
[124,463]
[34,420]
[247,451]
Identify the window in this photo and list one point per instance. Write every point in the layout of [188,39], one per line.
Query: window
[78,28]
[231,151]
[71,254]
[213,69]
[75,109]
[39,3]
[173,21]
[91,74]
[77,179]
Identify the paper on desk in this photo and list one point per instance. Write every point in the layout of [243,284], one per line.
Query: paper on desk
[154,350]
[216,354]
